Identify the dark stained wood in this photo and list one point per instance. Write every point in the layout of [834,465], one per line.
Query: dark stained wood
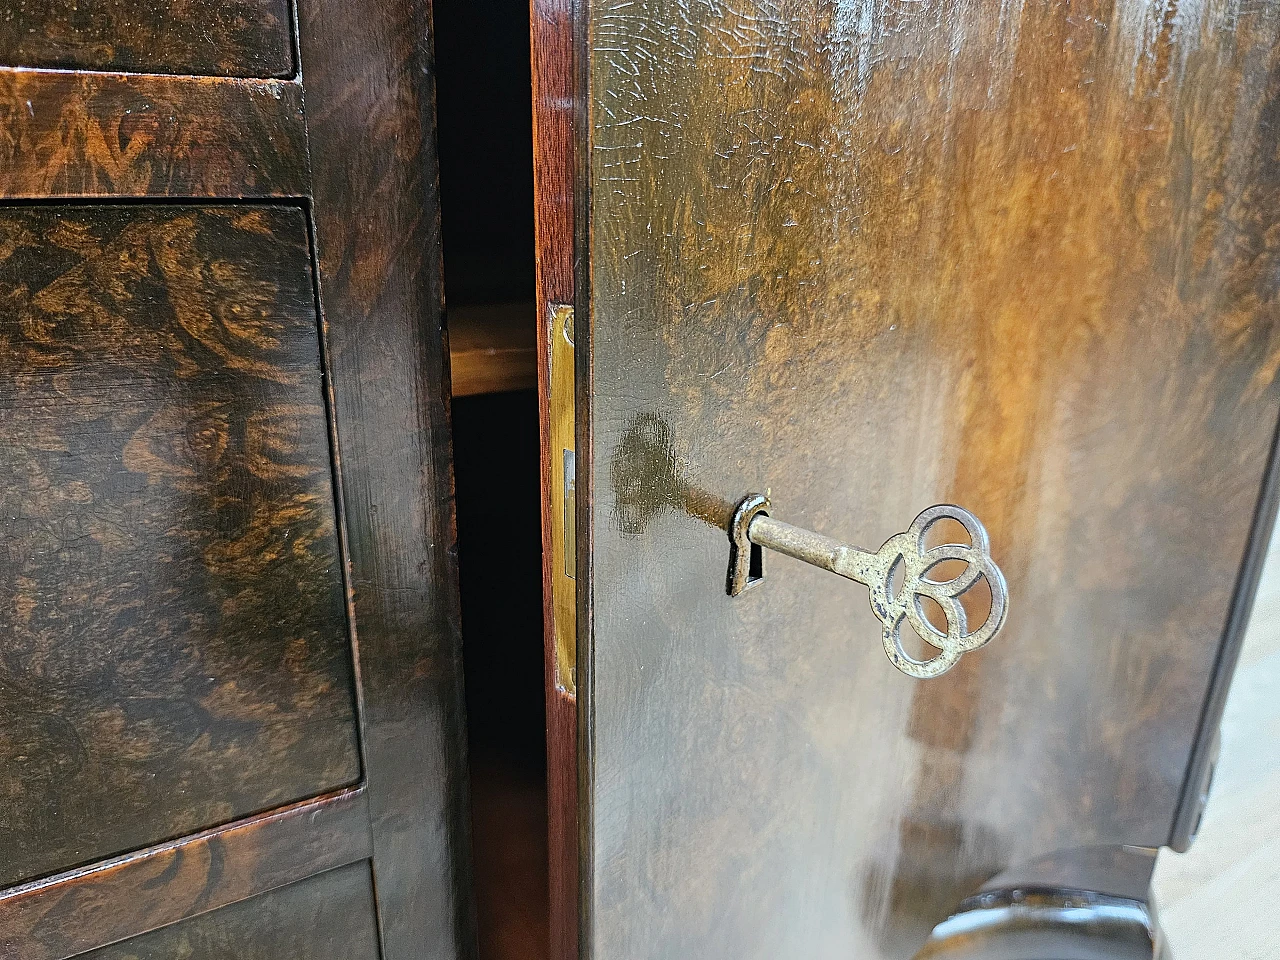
[554,89]
[1204,753]
[68,915]
[369,113]
[234,38]
[180,652]
[74,134]
[176,652]
[326,917]
[1019,257]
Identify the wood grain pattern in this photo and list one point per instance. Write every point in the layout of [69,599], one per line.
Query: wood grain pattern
[1204,751]
[552,24]
[174,407]
[1019,257]
[68,915]
[234,38]
[175,652]
[554,91]
[370,91]
[326,917]
[75,134]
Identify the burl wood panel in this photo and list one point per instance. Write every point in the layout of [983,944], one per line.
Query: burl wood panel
[77,134]
[233,38]
[326,917]
[871,256]
[72,913]
[175,650]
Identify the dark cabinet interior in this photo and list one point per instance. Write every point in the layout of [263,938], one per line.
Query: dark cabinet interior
[485,143]
[486,178]
[496,470]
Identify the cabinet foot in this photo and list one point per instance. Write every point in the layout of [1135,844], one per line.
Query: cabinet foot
[1088,904]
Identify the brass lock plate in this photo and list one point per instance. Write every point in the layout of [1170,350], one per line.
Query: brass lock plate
[564,596]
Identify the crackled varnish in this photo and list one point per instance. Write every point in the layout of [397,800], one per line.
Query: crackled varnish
[869,256]
[230,720]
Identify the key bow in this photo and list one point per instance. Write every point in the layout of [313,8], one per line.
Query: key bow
[894,606]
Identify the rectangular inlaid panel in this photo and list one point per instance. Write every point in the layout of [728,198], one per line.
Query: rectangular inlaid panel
[1017,256]
[327,917]
[105,135]
[174,650]
[232,38]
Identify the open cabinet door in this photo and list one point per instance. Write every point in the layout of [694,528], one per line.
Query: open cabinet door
[230,719]
[867,258]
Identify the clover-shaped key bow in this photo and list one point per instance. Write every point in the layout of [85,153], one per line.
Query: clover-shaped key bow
[894,603]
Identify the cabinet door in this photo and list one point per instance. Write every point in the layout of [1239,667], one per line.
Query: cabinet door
[866,258]
[229,682]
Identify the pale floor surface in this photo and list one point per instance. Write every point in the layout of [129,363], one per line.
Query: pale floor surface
[1221,899]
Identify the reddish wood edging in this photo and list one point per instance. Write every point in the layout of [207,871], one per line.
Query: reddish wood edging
[115,135]
[81,910]
[552,40]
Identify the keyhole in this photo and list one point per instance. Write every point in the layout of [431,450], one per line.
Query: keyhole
[755,566]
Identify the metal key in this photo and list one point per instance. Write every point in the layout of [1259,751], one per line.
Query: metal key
[751,524]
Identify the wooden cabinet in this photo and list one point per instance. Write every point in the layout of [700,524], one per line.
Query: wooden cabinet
[230,684]
[1018,258]
[221,38]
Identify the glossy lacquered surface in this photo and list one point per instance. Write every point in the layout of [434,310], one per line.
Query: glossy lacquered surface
[69,134]
[167,494]
[552,25]
[237,38]
[1017,257]
[230,679]
[326,917]
[370,125]
[68,915]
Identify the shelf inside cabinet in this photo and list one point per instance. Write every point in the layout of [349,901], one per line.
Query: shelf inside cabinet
[492,348]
